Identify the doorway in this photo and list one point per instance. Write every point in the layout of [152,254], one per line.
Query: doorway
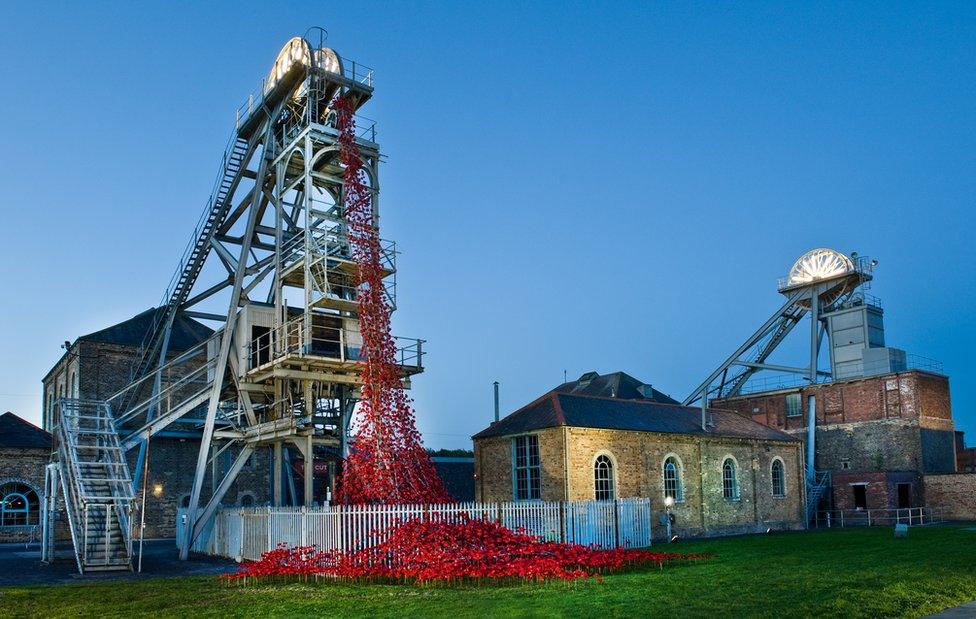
[904,496]
[860,496]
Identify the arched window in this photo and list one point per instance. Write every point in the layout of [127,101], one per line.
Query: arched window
[71,386]
[672,479]
[603,479]
[19,506]
[730,482]
[779,478]
[247,500]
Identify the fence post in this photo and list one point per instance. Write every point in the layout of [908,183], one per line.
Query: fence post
[869,517]
[562,522]
[240,552]
[268,545]
[828,520]
[616,523]
[842,519]
[304,526]
[498,517]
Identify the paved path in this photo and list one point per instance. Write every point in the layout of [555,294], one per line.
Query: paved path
[966,611]
[20,566]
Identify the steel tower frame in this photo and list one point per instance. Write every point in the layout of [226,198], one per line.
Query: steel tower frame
[272,374]
[819,281]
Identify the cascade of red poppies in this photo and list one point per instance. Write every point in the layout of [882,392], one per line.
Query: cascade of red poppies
[387,462]
[453,549]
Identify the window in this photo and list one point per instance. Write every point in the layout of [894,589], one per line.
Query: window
[603,479]
[247,500]
[794,405]
[526,472]
[779,478]
[730,484]
[672,479]
[20,506]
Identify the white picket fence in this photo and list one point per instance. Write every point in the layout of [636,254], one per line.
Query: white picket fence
[246,533]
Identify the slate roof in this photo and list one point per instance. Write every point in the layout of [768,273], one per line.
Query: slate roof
[614,385]
[186,333]
[18,433]
[556,409]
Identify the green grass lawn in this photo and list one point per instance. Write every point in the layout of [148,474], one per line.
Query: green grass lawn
[843,573]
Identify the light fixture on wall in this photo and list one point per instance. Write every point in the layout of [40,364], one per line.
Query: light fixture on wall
[157,490]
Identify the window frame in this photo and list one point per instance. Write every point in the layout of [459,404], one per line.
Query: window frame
[679,495]
[772,478]
[533,471]
[31,512]
[733,493]
[610,481]
[798,409]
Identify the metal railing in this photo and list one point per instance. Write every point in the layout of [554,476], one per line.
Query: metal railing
[353,71]
[332,242]
[912,516]
[327,341]
[792,381]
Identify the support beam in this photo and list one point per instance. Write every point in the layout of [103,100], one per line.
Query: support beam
[749,343]
[221,365]
[812,401]
[218,494]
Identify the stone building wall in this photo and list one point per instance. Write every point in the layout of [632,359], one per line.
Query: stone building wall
[23,466]
[172,463]
[567,456]
[493,467]
[955,493]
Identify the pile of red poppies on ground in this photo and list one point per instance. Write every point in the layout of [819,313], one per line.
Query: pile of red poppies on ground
[455,550]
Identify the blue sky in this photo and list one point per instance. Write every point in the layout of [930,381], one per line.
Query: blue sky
[574,186]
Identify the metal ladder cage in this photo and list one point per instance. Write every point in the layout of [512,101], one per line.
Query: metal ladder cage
[97,487]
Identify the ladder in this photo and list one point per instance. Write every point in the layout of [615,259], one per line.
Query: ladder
[195,254]
[94,478]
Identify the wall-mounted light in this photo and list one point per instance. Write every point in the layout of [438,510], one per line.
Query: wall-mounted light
[157,490]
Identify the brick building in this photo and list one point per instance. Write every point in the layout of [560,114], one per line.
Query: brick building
[877,435]
[97,366]
[24,452]
[611,436]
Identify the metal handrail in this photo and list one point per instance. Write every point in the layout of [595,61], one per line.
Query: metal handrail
[289,338]
[912,516]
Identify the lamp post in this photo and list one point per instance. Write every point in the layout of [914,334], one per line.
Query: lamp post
[668,502]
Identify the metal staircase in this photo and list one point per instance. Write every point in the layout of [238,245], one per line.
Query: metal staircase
[816,491]
[196,251]
[97,487]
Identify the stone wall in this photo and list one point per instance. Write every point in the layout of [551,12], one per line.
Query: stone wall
[493,467]
[567,457]
[24,466]
[955,493]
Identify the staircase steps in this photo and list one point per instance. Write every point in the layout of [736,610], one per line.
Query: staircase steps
[96,484]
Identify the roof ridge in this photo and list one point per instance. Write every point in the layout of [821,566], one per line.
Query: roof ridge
[560,415]
[636,401]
